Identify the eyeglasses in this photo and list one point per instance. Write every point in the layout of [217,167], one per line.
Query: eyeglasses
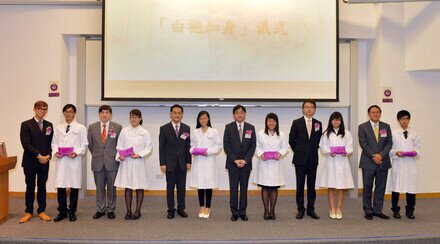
[309,107]
[134,117]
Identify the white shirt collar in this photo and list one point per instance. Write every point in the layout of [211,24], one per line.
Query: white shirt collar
[372,124]
[106,124]
[238,125]
[37,120]
[174,125]
[305,118]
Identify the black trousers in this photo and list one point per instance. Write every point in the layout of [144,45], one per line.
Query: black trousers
[410,202]
[302,173]
[62,200]
[238,178]
[379,178]
[176,179]
[31,174]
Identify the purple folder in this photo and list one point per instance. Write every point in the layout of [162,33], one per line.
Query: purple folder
[270,154]
[409,154]
[126,152]
[338,150]
[199,150]
[65,151]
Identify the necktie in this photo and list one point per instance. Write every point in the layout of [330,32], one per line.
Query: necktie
[40,125]
[309,127]
[67,129]
[240,132]
[405,134]
[376,132]
[177,131]
[103,134]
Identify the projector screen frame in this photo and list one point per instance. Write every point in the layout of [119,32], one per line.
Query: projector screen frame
[134,99]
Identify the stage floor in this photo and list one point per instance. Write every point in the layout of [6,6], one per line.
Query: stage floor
[154,227]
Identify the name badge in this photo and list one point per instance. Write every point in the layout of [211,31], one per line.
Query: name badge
[112,133]
[248,134]
[48,131]
[184,135]
[383,133]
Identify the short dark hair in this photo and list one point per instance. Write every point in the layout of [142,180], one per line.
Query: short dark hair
[312,101]
[176,106]
[198,125]
[138,113]
[374,106]
[40,104]
[237,107]
[403,113]
[277,127]
[67,106]
[105,107]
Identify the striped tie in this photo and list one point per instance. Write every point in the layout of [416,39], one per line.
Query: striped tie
[376,132]
[103,135]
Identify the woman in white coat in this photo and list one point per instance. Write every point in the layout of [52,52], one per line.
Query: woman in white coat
[271,147]
[134,144]
[70,144]
[205,144]
[337,172]
[404,153]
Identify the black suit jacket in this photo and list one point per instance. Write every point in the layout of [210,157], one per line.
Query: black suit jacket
[305,149]
[235,149]
[174,151]
[35,141]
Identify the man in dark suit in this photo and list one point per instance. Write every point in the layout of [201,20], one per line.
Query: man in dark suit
[36,138]
[239,142]
[376,142]
[304,138]
[175,159]
[103,137]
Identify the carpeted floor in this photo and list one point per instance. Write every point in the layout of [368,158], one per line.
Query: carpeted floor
[154,227]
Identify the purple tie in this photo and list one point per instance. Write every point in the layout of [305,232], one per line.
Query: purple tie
[177,131]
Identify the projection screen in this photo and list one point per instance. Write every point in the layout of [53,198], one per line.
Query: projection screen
[265,50]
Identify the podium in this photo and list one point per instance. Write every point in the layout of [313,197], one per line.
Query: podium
[6,164]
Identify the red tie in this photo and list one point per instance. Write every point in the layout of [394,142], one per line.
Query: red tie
[103,135]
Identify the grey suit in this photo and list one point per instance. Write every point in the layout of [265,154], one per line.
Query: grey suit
[104,164]
[372,172]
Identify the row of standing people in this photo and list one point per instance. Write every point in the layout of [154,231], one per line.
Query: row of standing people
[106,139]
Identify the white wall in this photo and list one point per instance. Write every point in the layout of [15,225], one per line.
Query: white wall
[38,48]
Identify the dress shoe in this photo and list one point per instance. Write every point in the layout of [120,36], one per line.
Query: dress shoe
[244,217]
[234,217]
[98,215]
[207,213]
[338,214]
[128,216]
[170,215]
[44,216]
[312,214]
[136,216]
[332,214]
[202,212]
[369,216]
[396,215]
[381,215]
[182,213]
[60,217]
[300,214]
[72,217]
[266,216]
[272,216]
[111,215]
[25,218]
[410,215]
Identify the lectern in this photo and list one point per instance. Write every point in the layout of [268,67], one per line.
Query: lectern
[6,164]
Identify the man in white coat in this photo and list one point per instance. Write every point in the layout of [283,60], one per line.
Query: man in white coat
[70,144]
[405,151]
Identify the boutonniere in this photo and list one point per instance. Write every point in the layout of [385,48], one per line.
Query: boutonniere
[48,131]
[112,133]
[184,135]
[317,126]
[383,133]
[248,134]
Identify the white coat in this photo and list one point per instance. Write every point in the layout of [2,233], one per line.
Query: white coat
[68,171]
[132,172]
[337,171]
[203,173]
[404,169]
[270,172]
